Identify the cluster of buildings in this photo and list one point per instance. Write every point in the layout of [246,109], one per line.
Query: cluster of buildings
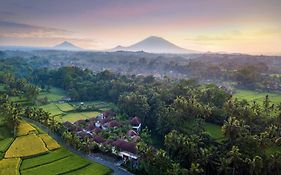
[100,129]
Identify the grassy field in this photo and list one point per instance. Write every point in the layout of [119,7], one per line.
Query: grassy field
[101,105]
[50,143]
[10,166]
[211,129]
[214,130]
[55,94]
[259,97]
[52,109]
[65,107]
[72,117]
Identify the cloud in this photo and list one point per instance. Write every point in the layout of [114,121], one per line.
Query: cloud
[201,38]
[19,30]
[25,34]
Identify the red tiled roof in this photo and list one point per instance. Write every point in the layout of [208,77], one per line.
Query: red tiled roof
[93,119]
[113,124]
[125,146]
[80,122]
[98,139]
[108,113]
[69,126]
[135,121]
[90,126]
[132,133]
[97,130]
[105,120]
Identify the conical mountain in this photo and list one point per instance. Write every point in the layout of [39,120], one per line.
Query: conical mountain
[154,44]
[67,46]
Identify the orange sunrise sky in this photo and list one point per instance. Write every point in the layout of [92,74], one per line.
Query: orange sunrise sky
[244,26]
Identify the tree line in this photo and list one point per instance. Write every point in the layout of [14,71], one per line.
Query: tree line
[166,106]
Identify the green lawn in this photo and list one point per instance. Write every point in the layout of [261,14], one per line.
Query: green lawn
[259,97]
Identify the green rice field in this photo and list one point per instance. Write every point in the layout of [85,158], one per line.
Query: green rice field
[72,117]
[55,94]
[259,97]
[52,109]
[65,107]
[211,129]
[21,157]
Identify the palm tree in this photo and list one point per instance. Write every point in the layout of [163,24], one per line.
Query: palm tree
[224,166]
[235,158]
[195,169]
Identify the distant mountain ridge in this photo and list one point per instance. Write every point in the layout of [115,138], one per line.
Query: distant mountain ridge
[66,46]
[154,44]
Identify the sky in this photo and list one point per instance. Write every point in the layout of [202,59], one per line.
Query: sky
[244,26]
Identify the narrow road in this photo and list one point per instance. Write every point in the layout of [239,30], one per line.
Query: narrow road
[117,170]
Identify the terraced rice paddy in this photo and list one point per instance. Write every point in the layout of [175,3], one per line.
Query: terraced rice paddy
[52,109]
[61,161]
[68,164]
[24,129]
[44,159]
[25,146]
[50,143]
[65,107]
[95,169]
[55,94]
[28,155]
[10,166]
[5,143]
